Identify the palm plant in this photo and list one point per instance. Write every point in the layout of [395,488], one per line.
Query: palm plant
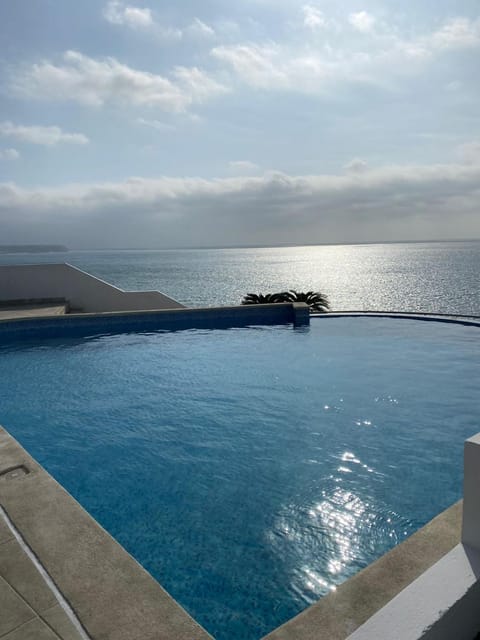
[269,298]
[318,302]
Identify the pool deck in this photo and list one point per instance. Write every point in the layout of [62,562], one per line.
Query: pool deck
[90,587]
[29,608]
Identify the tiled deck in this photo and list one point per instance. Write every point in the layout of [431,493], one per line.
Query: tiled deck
[28,607]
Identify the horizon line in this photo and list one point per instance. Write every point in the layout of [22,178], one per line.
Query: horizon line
[277,246]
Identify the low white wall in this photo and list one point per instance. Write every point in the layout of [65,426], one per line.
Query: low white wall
[442,604]
[471,493]
[82,290]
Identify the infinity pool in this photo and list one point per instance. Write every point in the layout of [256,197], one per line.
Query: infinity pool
[252,470]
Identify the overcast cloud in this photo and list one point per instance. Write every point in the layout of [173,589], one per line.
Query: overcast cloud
[255,123]
[362,205]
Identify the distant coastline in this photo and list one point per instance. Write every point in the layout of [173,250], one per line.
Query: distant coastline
[283,245]
[58,248]
[33,248]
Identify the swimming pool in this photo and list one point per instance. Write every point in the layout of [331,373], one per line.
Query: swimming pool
[251,470]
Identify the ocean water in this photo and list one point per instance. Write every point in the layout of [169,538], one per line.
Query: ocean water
[252,470]
[441,277]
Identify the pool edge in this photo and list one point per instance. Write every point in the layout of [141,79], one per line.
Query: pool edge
[84,324]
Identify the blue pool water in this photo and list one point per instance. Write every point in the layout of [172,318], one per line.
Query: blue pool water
[252,470]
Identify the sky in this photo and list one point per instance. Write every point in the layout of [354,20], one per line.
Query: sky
[258,122]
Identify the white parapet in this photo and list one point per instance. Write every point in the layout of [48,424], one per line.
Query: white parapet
[82,290]
[442,603]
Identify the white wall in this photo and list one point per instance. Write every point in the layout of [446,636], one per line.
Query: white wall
[80,289]
[441,604]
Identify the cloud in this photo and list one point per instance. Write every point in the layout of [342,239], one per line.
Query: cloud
[47,136]
[134,17]
[362,21]
[200,29]
[356,165]
[313,18]
[137,18]
[316,66]
[457,33]
[9,154]
[454,35]
[196,83]
[260,66]
[243,167]
[469,152]
[436,201]
[155,124]
[96,82]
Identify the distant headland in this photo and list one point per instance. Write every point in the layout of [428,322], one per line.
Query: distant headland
[32,248]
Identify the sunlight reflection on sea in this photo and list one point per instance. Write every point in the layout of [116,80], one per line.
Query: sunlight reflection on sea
[428,277]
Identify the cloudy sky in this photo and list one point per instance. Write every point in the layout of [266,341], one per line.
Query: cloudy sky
[165,124]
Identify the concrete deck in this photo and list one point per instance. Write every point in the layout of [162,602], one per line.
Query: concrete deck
[28,606]
[90,587]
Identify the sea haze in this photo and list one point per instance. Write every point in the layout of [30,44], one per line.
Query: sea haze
[441,277]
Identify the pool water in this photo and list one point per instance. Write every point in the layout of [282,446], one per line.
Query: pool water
[252,470]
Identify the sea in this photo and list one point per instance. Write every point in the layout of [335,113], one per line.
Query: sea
[429,277]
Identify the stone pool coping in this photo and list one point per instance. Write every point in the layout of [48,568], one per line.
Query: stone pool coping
[341,612]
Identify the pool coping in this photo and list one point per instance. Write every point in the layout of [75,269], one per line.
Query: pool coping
[337,615]
[467,320]
[83,324]
[297,314]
